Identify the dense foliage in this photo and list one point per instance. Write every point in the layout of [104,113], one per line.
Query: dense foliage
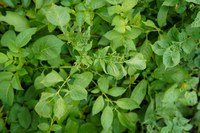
[91,66]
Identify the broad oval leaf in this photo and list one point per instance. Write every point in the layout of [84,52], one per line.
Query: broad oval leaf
[3,58]
[44,108]
[128,5]
[103,84]
[83,79]
[47,47]
[77,92]
[159,47]
[171,56]
[60,108]
[98,105]
[139,91]
[162,16]
[128,120]
[137,61]
[51,79]
[58,15]
[6,93]
[24,117]
[196,22]
[15,82]
[13,18]
[25,36]
[107,118]
[127,103]
[116,91]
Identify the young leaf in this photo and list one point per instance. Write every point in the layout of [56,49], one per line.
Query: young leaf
[52,79]
[98,105]
[162,16]
[6,93]
[58,15]
[119,23]
[191,98]
[128,120]
[24,37]
[171,56]
[127,103]
[116,91]
[60,108]
[107,118]
[13,18]
[139,92]
[3,58]
[77,92]
[47,47]
[103,84]
[170,2]
[24,117]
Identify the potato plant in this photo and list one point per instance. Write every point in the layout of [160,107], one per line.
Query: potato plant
[99,66]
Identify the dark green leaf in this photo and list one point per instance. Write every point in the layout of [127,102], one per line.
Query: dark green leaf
[162,16]
[6,92]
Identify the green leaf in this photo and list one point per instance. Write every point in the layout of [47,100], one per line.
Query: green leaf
[191,98]
[26,3]
[114,2]
[107,118]
[103,84]
[37,83]
[159,47]
[170,2]
[77,92]
[83,79]
[60,108]
[128,5]
[127,103]
[146,50]
[112,35]
[196,22]
[11,3]
[3,58]
[98,105]
[72,126]
[15,82]
[88,128]
[12,18]
[150,23]
[162,16]
[8,40]
[189,45]
[58,15]
[56,127]
[44,108]
[139,92]
[114,9]
[171,56]
[128,120]
[113,70]
[116,91]
[24,117]
[194,1]
[6,93]
[43,126]
[6,76]
[137,61]
[24,37]
[51,79]
[47,47]
[95,4]
[119,23]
